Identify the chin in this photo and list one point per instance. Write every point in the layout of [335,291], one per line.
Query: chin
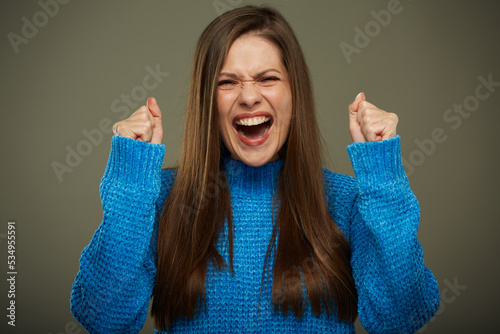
[256,159]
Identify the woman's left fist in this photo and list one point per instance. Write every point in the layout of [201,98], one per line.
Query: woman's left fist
[367,123]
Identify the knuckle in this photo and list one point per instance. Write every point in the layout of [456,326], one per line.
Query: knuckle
[145,128]
[144,113]
[140,113]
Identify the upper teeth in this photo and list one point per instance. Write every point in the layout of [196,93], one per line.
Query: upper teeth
[253,120]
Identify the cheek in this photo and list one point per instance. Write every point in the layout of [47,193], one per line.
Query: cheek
[220,104]
[286,113]
[222,111]
[223,115]
[224,104]
[286,123]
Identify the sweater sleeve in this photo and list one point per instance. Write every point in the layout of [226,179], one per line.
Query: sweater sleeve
[113,287]
[397,293]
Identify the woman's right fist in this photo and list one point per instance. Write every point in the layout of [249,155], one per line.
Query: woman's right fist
[144,124]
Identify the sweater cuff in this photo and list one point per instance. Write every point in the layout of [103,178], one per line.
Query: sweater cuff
[133,161]
[376,163]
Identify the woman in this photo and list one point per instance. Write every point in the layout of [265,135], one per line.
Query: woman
[249,204]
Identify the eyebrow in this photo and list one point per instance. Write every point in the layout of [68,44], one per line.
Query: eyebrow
[261,73]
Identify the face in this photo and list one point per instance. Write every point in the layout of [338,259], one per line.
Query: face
[254,101]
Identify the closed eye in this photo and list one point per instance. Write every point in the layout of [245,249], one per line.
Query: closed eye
[226,83]
[269,79]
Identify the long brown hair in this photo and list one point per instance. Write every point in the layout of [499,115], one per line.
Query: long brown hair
[309,242]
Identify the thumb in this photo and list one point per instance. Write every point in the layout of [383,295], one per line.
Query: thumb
[155,111]
[153,107]
[354,124]
[353,107]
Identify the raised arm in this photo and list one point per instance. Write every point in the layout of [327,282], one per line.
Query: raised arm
[397,293]
[113,287]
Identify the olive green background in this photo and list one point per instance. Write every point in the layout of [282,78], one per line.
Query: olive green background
[66,77]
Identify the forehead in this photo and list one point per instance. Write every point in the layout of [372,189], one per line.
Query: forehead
[251,54]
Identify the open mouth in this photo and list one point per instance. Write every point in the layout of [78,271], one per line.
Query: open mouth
[253,130]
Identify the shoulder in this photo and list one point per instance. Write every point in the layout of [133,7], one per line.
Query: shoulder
[341,191]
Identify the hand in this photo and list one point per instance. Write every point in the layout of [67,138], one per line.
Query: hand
[367,123]
[144,124]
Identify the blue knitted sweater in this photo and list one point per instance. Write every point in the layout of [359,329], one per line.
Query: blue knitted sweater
[376,211]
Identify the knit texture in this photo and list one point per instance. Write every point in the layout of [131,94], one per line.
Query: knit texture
[377,212]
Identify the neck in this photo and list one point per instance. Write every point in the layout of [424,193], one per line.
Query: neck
[252,180]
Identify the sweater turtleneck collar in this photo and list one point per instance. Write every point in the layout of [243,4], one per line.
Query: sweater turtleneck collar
[252,180]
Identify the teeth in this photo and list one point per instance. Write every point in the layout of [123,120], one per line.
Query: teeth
[253,121]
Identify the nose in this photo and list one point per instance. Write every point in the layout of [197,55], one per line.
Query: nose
[249,95]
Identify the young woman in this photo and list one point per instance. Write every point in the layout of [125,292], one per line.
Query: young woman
[249,233]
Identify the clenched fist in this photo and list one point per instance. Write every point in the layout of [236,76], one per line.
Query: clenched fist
[144,124]
[367,123]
